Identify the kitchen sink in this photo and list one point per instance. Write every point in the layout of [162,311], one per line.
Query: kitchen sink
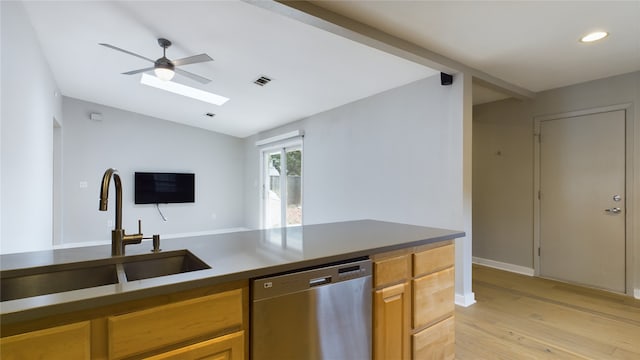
[43,280]
[162,264]
[23,283]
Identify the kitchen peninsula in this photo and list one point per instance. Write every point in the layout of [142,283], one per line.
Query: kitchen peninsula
[207,311]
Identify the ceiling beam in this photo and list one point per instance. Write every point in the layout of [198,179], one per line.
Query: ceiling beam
[311,14]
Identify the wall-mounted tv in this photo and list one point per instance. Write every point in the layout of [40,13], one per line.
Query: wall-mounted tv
[164,188]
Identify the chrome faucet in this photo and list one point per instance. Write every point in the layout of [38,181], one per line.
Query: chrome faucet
[118,237]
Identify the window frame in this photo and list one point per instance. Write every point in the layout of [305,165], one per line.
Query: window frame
[282,146]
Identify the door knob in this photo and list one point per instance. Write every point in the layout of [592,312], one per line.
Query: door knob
[614,210]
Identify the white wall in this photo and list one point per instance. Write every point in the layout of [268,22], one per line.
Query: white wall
[393,156]
[396,156]
[29,106]
[503,185]
[132,142]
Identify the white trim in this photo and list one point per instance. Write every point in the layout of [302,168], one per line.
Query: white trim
[280,137]
[465,300]
[504,266]
[163,236]
[636,294]
[206,232]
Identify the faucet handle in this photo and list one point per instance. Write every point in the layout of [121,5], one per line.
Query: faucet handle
[156,243]
[140,226]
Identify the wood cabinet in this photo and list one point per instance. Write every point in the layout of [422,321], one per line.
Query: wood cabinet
[414,303]
[204,323]
[392,310]
[227,347]
[64,342]
[162,326]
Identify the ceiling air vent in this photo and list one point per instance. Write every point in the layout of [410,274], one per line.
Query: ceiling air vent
[262,81]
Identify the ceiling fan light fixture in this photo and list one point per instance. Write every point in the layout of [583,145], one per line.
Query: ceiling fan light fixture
[164,74]
[594,36]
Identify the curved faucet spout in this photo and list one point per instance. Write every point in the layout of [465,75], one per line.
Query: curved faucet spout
[104,194]
[118,237]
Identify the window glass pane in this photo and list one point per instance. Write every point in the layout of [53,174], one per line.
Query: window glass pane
[273,195]
[294,187]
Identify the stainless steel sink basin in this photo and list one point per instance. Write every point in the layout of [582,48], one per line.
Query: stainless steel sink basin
[43,280]
[162,264]
[28,282]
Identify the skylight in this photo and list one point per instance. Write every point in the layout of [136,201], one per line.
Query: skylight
[183,90]
[594,36]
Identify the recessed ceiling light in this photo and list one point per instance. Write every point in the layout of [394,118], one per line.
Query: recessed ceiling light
[594,36]
[183,90]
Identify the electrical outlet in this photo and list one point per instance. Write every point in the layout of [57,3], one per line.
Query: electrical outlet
[109,223]
[84,184]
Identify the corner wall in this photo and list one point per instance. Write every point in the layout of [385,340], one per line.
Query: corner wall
[131,142]
[30,103]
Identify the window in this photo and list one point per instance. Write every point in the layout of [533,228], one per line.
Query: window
[282,185]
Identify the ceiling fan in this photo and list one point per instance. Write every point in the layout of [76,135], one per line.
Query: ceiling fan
[164,68]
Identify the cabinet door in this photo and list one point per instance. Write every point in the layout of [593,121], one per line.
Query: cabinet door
[433,298]
[61,342]
[436,342]
[228,347]
[391,316]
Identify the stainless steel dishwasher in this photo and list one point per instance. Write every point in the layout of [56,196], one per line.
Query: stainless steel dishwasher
[322,313]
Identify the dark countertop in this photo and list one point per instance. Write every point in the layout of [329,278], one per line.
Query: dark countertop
[232,256]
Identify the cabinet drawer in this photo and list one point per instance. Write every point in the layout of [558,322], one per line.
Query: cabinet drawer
[61,342]
[158,327]
[227,347]
[433,297]
[391,270]
[436,342]
[432,260]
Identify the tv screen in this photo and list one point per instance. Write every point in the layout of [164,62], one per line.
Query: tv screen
[164,188]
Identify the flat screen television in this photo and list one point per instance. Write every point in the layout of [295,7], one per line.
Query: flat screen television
[164,188]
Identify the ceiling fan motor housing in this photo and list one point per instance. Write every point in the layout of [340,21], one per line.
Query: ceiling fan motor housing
[164,63]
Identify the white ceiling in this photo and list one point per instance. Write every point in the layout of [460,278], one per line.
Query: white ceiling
[312,70]
[531,44]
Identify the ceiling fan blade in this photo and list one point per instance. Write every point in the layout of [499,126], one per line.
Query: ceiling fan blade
[193,76]
[192,60]
[126,52]
[133,72]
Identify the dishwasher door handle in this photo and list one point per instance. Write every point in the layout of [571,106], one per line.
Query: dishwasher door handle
[320,281]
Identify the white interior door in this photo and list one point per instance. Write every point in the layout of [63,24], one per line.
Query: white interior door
[582,202]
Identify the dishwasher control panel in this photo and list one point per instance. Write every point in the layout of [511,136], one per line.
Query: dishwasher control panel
[305,279]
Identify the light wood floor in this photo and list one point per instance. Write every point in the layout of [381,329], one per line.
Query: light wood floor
[522,317]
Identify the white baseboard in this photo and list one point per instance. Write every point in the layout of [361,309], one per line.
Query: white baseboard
[636,293]
[504,266]
[465,300]
[163,236]
[200,233]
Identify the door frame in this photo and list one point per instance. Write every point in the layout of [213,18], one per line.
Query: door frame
[629,195]
[291,143]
